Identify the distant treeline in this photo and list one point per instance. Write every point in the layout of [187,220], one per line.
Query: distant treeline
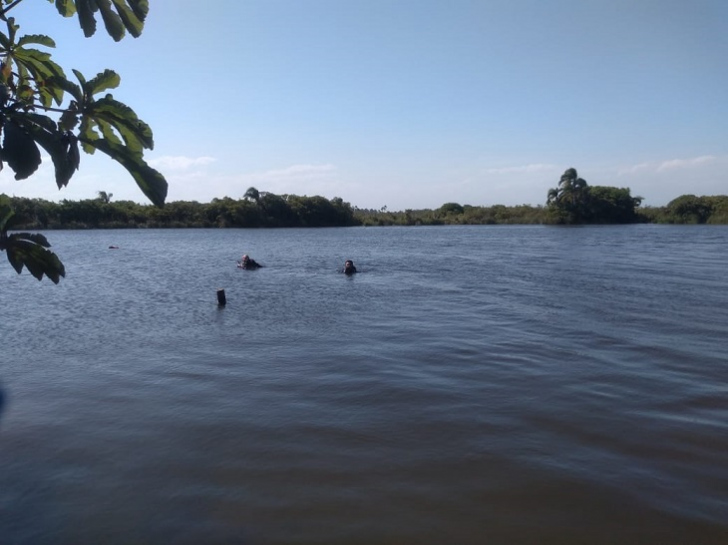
[574,202]
[270,210]
[605,205]
[690,209]
[266,210]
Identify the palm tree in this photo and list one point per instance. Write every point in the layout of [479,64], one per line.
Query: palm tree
[571,187]
[105,197]
[553,196]
[252,194]
[570,198]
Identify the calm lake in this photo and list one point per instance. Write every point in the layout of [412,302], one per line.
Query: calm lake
[472,385]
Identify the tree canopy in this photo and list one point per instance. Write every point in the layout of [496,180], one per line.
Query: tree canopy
[41,108]
[574,201]
[693,209]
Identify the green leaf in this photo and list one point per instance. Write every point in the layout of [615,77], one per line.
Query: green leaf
[140,8]
[85,10]
[19,151]
[112,21]
[86,134]
[12,29]
[137,135]
[63,150]
[108,79]
[133,18]
[69,119]
[5,43]
[119,16]
[43,71]
[65,7]
[80,77]
[150,181]
[68,87]
[37,238]
[108,133]
[61,146]
[29,119]
[39,39]
[31,251]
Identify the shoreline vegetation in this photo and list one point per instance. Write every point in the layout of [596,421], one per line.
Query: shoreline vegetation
[573,202]
[271,210]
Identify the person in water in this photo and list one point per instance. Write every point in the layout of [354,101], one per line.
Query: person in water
[349,267]
[248,263]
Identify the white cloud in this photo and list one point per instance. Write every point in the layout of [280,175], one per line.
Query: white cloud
[684,163]
[660,166]
[661,181]
[632,169]
[171,162]
[295,172]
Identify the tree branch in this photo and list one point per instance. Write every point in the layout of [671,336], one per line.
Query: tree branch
[7,8]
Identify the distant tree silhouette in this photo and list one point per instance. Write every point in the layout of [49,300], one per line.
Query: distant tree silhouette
[105,197]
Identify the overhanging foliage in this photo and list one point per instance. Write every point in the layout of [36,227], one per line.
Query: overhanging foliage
[41,108]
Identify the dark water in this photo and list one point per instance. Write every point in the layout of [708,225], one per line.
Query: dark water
[472,385]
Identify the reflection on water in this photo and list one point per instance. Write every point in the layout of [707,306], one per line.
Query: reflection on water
[471,385]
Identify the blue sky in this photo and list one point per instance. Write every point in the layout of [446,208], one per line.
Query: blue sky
[410,103]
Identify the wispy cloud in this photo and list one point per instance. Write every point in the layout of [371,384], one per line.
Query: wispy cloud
[295,172]
[684,163]
[632,169]
[179,162]
[661,181]
[670,164]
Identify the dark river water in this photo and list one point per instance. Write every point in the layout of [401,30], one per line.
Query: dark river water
[472,385]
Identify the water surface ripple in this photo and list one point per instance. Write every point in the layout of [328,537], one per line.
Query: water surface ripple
[472,385]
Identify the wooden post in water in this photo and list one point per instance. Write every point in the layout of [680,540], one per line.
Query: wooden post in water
[221,297]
